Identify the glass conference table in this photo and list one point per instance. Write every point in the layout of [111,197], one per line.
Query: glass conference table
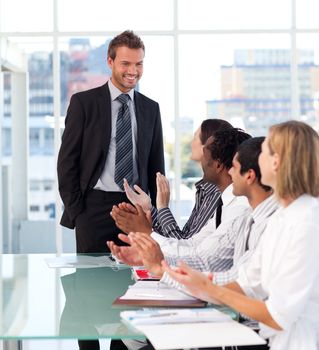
[39,302]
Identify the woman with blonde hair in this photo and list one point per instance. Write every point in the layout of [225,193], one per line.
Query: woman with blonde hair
[279,287]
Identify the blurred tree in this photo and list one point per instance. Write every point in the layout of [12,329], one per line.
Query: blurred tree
[189,168]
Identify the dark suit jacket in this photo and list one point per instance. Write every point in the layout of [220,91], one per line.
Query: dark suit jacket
[85,144]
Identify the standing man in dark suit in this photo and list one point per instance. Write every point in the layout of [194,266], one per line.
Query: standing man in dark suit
[111,132]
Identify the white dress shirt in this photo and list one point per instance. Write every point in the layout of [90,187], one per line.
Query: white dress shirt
[106,182]
[253,225]
[284,271]
[232,207]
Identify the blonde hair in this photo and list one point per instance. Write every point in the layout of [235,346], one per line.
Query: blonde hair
[297,146]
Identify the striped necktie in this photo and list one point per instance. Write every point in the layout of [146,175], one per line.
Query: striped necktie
[124,144]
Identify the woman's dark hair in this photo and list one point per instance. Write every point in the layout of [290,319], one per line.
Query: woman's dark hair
[209,126]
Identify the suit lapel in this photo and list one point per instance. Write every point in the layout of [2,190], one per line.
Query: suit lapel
[105,117]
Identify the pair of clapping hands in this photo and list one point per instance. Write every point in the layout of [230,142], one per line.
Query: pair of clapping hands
[141,198]
[129,218]
[136,221]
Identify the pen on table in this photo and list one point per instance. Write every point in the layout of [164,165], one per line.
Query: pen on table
[168,314]
[151,316]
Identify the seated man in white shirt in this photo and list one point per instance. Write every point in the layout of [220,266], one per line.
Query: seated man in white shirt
[263,204]
[216,162]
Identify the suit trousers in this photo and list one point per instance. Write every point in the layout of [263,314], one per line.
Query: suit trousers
[94,225]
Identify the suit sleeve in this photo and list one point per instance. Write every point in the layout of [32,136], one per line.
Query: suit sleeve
[69,159]
[156,157]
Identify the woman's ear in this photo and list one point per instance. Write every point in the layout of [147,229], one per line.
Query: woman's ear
[276,162]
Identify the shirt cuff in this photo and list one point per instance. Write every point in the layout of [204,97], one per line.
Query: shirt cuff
[168,280]
[154,214]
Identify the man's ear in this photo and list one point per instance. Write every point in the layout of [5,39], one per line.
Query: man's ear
[250,176]
[110,62]
[219,166]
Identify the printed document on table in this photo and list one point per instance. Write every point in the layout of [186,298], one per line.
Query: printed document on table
[173,315]
[154,290]
[80,261]
[199,335]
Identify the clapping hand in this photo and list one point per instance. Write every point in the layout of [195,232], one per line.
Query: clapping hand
[163,191]
[149,251]
[126,254]
[127,218]
[197,283]
[139,197]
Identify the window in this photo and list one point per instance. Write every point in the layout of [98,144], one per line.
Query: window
[6,141]
[104,15]
[35,186]
[231,59]
[34,135]
[34,208]
[48,185]
[233,14]
[26,16]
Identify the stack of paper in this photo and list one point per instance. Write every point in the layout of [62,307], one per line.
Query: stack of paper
[154,290]
[190,328]
[154,293]
[164,316]
[199,335]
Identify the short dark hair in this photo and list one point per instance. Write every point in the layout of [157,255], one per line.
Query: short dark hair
[128,39]
[210,126]
[247,155]
[225,143]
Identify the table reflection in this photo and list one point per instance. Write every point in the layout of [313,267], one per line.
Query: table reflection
[88,311]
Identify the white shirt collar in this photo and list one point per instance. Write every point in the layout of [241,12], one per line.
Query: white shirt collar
[266,208]
[227,195]
[298,206]
[115,92]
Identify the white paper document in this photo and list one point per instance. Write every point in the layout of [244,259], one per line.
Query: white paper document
[164,316]
[199,335]
[154,290]
[80,261]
